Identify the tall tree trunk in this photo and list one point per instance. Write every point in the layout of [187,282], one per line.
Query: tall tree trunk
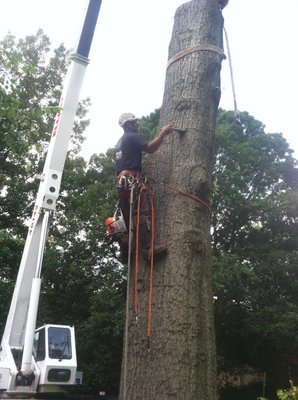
[178,360]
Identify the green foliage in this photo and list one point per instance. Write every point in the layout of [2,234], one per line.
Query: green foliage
[286,394]
[255,246]
[30,89]
[27,108]
[149,124]
[10,255]
[101,337]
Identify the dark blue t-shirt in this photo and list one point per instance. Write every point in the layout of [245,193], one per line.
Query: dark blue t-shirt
[129,152]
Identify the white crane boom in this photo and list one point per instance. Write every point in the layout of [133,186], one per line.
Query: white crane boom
[29,358]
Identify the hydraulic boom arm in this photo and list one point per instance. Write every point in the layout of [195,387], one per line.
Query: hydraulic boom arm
[19,331]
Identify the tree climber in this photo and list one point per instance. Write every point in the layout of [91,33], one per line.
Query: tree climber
[129,170]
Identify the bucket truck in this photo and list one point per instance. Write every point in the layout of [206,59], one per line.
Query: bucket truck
[32,360]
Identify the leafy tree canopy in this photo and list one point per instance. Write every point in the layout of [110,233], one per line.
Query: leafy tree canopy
[255,243]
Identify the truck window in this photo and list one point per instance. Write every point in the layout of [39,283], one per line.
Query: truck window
[59,343]
[39,345]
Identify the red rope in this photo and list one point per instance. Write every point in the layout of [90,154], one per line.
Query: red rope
[191,196]
[136,302]
[151,268]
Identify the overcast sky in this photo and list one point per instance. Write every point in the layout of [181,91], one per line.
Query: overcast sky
[130,49]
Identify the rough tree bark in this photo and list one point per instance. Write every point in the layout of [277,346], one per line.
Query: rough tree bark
[178,361]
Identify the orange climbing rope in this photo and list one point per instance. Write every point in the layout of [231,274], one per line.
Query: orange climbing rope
[136,302]
[151,269]
[191,196]
[183,193]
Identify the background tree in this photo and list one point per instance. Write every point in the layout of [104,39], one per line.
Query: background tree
[180,361]
[29,87]
[255,243]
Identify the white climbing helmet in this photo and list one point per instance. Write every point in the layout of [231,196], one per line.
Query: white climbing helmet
[126,117]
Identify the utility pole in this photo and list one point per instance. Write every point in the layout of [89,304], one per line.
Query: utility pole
[178,359]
